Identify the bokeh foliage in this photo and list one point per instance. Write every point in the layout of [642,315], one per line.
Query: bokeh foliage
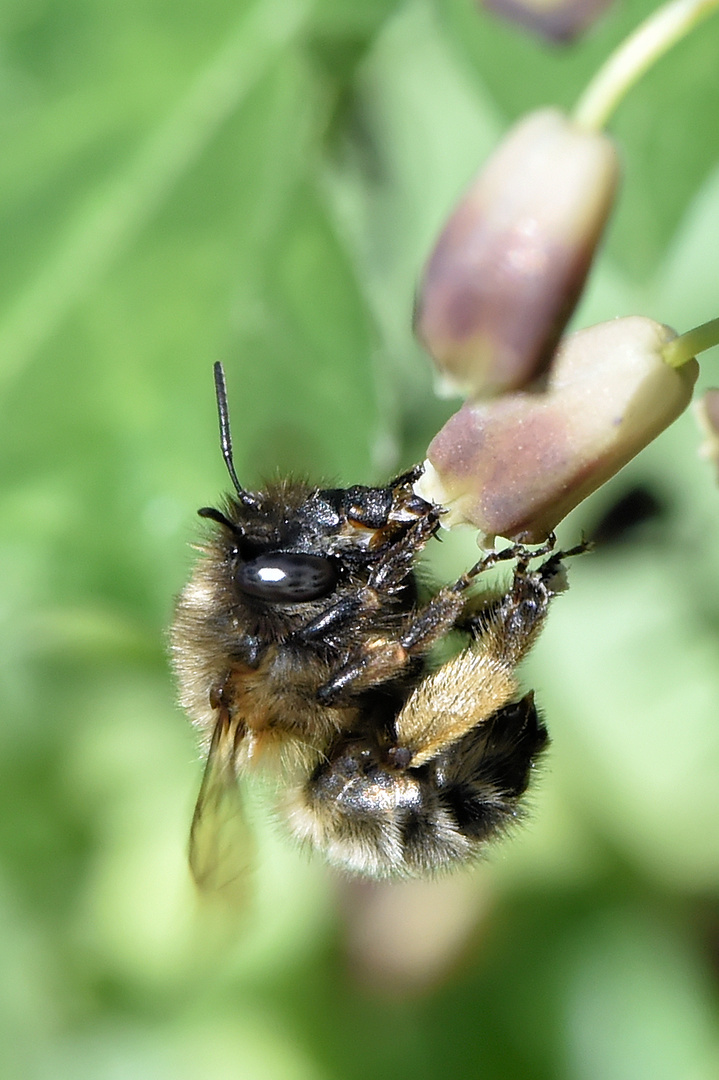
[259,182]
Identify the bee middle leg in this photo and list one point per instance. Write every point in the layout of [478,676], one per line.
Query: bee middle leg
[387,656]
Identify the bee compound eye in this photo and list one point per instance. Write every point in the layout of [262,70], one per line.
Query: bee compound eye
[288,577]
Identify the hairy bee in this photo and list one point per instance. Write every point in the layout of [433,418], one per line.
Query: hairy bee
[302,648]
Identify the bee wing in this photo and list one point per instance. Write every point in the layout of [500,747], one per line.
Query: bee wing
[221,842]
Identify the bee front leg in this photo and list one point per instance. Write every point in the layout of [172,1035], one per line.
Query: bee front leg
[324,627]
[508,627]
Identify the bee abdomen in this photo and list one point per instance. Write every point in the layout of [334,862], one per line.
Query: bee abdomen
[370,817]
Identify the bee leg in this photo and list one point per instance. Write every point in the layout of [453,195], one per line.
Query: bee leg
[436,618]
[369,813]
[389,576]
[519,552]
[323,626]
[386,657]
[508,626]
[406,479]
[471,686]
[391,572]
[346,611]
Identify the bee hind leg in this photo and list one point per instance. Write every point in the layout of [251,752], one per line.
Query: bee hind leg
[371,814]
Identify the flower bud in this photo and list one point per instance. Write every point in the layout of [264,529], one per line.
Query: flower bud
[515,466]
[507,270]
[556,20]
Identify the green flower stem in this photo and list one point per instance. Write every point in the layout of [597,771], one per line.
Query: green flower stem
[683,348]
[636,54]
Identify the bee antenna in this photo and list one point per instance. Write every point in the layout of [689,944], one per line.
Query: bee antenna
[225,436]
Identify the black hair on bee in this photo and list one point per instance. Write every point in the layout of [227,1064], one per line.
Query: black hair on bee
[302,649]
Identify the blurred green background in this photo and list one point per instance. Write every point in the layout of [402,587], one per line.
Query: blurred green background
[260,183]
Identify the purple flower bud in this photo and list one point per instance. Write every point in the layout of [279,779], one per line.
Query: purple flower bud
[507,270]
[557,20]
[515,466]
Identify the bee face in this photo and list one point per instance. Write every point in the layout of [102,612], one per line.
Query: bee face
[301,649]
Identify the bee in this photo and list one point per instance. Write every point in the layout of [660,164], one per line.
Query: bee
[302,650]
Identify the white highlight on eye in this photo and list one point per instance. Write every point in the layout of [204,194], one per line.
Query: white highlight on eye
[271,573]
